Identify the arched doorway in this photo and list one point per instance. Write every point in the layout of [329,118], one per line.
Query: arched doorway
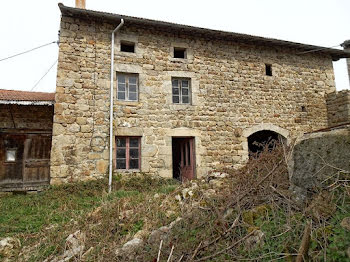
[261,133]
[259,140]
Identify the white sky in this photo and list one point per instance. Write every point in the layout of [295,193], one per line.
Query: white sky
[25,24]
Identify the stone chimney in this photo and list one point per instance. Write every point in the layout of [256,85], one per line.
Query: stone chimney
[80,4]
[346,46]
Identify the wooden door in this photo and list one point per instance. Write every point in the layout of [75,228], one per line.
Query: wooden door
[187,162]
[24,161]
[11,160]
[37,160]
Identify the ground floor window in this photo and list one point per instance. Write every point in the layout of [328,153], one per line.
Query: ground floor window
[128,152]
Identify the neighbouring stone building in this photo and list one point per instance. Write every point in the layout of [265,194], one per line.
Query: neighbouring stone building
[338,107]
[187,100]
[25,139]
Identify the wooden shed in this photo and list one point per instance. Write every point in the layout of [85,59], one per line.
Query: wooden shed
[25,139]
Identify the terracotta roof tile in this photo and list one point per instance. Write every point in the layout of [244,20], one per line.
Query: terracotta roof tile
[13,95]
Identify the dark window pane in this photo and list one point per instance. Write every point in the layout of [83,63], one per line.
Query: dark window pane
[176,91]
[121,79]
[127,47]
[121,164]
[175,83]
[134,153]
[132,80]
[179,52]
[184,83]
[185,100]
[133,163]
[185,91]
[121,141]
[134,142]
[188,153]
[132,96]
[132,88]
[184,158]
[176,99]
[121,95]
[121,153]
[121,87]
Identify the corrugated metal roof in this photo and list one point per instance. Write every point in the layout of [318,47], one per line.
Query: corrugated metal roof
[26,98]
[336,54]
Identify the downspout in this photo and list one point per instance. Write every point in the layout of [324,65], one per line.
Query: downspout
[111,110]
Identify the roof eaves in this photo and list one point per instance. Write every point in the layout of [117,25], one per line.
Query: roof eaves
[336,54]
[27,103]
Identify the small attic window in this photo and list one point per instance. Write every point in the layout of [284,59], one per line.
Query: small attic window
[268,69]
[179,52]
[128,47]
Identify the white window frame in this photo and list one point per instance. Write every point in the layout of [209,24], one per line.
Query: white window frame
[180,87]
[127,87]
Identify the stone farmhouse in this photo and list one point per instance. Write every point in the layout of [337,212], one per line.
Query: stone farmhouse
[186,100]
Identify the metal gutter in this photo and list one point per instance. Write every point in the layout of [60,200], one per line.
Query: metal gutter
[111,110]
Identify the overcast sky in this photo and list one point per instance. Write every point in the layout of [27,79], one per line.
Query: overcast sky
[25,24]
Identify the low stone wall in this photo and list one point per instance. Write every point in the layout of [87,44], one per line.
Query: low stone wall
[317,156]
[338,107]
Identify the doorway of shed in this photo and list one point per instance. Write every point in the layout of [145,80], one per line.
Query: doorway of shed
[259,140]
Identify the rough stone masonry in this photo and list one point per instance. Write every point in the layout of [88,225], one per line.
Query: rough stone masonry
[231,95]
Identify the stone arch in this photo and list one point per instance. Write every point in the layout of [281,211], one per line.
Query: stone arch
[262,127]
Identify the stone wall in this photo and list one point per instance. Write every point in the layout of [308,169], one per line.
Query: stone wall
[26,117]
[230,93]
[318,156]
[338,106]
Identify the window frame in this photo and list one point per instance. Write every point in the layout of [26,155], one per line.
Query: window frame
[180,87]
[127,92]
[127,153]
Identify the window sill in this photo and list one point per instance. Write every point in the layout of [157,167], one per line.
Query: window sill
[127,103]
[128,54]
[181,106]
[181,60]
[127,170]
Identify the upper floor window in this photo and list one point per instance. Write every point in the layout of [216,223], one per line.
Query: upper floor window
[127,47]
[180,52]
[268,69]
[181,90]
[127,87]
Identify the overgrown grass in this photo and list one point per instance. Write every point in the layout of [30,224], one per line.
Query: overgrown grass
[57,205]
[257,197]
[54,213]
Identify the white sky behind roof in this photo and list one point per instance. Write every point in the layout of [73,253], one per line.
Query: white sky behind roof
[26,24]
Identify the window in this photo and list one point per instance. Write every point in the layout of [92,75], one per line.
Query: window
[268,69]
[180,52]
[181,91]
[11,155]
[127,47]
[128,152]
[127,87]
